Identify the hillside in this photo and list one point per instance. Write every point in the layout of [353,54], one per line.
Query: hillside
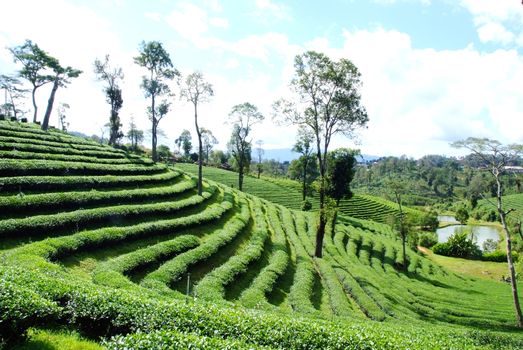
[99,241]
[288,193]
[512,201]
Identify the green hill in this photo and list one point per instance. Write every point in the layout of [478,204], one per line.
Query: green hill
[486,209]
[106,244]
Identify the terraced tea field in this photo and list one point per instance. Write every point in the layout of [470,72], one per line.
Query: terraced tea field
[288,194]
[512,201]
[108,244]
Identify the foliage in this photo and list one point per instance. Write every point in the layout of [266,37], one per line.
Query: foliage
[134,135]
[462,215]
[429,221]
[157,61]
[242,117]
[494,157]
[331,90]
[340,171]
[62,116]
[499,256]
[113,92]
[304,168]
[306,205]
[196,90]
[459,245]
[164,153]
[184,141]
[119,273]
[427,239]
[489,246]
[61,78]
[208,142]
[35,67]
[12,87]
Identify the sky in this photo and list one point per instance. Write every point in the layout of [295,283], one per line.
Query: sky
[433,71]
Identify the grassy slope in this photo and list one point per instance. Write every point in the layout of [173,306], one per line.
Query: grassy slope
[123,267]
[482,269]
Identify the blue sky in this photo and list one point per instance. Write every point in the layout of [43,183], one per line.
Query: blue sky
[433,71]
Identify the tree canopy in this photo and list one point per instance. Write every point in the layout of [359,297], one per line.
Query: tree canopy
[111,76]
[242,117]
[153,57]
[327,102]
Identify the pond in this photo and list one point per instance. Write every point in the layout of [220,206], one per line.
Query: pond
[446,218]
[480,233]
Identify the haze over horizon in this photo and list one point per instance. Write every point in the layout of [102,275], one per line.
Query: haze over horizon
[433,71]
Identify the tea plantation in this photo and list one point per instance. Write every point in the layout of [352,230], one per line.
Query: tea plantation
[125,253]
[288,193]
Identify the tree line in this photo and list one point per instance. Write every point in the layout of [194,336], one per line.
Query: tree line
[326,101]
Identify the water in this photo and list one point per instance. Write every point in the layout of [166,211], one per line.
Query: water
[446,218]
[481,233]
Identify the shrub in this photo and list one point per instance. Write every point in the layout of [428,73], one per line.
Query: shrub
[462,215]
[489,246]
[427,239]
[459,245]
[306,205]
[429,221]
[499,256]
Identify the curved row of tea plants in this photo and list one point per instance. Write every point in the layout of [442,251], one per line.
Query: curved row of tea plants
[114,256]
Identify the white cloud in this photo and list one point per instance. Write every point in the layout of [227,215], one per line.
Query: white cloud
[496,21]
[269,11]
[219,22]
[190,21]
[390,2]
[154,16]
[214,5]
[495,32]
[419,100]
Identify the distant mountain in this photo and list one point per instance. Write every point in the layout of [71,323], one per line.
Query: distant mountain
[286,155]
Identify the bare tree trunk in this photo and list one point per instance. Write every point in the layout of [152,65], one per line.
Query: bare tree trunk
[153,136]
[320,233]
[512,272]
[45,122]
[200,150]
[305,178]
[13,107]
[240,177]
[34,104]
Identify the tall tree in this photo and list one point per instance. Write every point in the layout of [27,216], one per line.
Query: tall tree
[197,90]
[62,77]
[62,116]
[113,93]
[184,141]
[208,142]
[397,188]
[259,153]
[13,94]
[134,135]
[304,146]
[157,61]
[35,67]
[494,157]
[329,103]
[243,117]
